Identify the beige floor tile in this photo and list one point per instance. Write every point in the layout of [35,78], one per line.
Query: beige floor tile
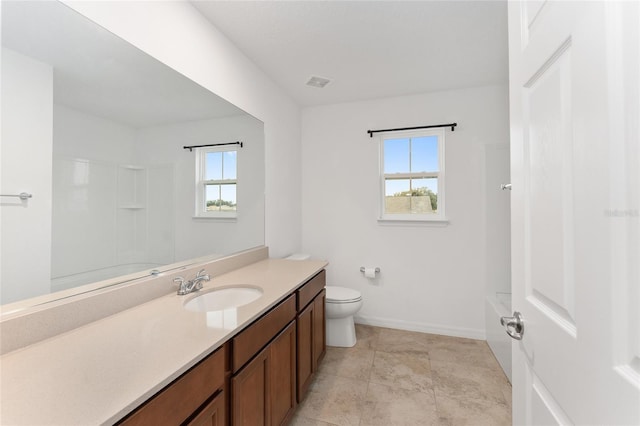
[347,362]
[391,340]
[460,380]
[299,420]
[460,411]
[507,392]
[464,351]
[395,406]
[366,336]
[405,370]
[335,400]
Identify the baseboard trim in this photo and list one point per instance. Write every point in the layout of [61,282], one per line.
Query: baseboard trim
[469,333]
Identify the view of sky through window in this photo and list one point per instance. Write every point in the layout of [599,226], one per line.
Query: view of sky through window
[410,155]
[221,165]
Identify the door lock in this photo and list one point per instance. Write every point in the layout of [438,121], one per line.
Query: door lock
[513,325]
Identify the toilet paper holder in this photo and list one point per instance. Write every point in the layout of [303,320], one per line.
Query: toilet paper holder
[377,269]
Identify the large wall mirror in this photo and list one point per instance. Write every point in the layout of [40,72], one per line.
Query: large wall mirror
[93,129]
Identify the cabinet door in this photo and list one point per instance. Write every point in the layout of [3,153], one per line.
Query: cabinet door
[319,334]
[312,341]
[249,389]
[213,414]
[282,375]
[305,351]
[178,401]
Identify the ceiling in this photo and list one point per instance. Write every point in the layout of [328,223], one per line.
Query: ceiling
[369,49]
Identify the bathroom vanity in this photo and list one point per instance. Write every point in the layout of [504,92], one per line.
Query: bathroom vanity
[264,371]
[159,363]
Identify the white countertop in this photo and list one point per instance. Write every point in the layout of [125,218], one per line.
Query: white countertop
[98,373]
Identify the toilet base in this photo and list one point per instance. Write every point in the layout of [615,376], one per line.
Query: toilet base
[341,332]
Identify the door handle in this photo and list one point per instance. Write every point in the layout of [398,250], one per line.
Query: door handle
[513,325]
[505,186]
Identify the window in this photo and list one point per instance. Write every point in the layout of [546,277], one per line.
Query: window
[412,175]
[216,182]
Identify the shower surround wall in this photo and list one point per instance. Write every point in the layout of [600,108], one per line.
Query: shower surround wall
[433,276]
[101,220]
[498,252]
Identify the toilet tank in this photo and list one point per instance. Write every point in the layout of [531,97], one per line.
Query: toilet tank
[299,256]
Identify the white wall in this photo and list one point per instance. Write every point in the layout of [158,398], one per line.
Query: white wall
[178,35]
[27,103]
[198,237]
[432,277]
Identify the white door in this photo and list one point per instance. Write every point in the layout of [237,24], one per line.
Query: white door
[575,174]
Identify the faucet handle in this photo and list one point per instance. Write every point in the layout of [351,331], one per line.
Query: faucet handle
[178,280]
[203,274]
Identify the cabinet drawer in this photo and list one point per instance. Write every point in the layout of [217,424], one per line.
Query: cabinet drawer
[175,403]
[213,414]
[308,291]
[257,335]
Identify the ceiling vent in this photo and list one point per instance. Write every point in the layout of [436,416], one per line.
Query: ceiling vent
[318,82]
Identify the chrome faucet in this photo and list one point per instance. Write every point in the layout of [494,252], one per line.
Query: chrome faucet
[186,287]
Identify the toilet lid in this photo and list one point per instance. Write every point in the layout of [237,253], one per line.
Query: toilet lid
[342,294]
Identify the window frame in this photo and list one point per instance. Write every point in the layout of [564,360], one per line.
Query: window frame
[438,217]
[201,184]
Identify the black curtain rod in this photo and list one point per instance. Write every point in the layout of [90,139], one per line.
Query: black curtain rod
[452,125]
[190,148]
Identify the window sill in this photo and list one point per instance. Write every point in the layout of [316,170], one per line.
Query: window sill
[437,222]
[233,218]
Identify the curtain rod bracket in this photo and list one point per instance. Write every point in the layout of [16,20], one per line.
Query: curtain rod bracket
[452,125]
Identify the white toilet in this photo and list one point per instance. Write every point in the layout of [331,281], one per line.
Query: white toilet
[341,305]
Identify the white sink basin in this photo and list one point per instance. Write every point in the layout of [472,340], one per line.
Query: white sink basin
[223,298]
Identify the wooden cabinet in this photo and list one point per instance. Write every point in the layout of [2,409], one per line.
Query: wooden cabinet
[319,328]
[282,380]
[305,356]
[249,404]
[212,414]
[187,396]
[309,290]
[256,336]
[264,391]
[264,386]
[311,345]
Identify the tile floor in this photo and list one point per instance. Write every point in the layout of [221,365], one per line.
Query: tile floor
[394,377]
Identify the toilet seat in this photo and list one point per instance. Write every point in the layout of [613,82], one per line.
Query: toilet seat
[342,295]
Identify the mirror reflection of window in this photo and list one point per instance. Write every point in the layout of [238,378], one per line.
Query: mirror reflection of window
[216,182]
